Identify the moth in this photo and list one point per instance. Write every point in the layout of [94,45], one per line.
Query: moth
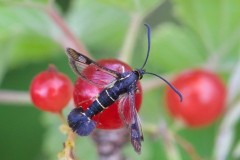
[123,86]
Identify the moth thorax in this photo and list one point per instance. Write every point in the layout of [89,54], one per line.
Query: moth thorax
[139,73]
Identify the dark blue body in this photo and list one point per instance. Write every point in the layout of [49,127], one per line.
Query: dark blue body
[109,95]
[80,121]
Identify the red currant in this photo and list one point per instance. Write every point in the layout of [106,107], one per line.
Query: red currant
[51,90]
[204,98]
[85,93]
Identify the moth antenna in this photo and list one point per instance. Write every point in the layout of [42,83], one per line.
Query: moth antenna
[169,84]
[149,44]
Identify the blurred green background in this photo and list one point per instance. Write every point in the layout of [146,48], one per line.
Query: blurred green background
[185,34]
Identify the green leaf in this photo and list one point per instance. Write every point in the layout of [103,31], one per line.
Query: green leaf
[52,145]
[236,151]
[29,32]
[175,48]
[98,25]
[53,138]
[133,6]
[85,148]
[23,2]
[152,148]
[5,56]
[202,139]
[207,29]
[215,22]
[26,50]
[17,19]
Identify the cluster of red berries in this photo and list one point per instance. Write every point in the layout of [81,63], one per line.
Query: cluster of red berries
[203,93]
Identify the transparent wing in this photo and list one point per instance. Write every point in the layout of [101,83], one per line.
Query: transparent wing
[129,115]
[123,110]
[79,62]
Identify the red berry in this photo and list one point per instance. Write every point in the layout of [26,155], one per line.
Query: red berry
[85,93]
[204,98]
[51,90]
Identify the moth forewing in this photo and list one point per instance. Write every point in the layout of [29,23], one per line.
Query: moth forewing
[135,127]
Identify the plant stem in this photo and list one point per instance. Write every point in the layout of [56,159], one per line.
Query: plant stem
[126,52]
[169,136]
[213,61]
[188,147]
[149,84]
[69,39]
[15,97]
[69,145]
[62,118]
[154,82]
[110,143]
